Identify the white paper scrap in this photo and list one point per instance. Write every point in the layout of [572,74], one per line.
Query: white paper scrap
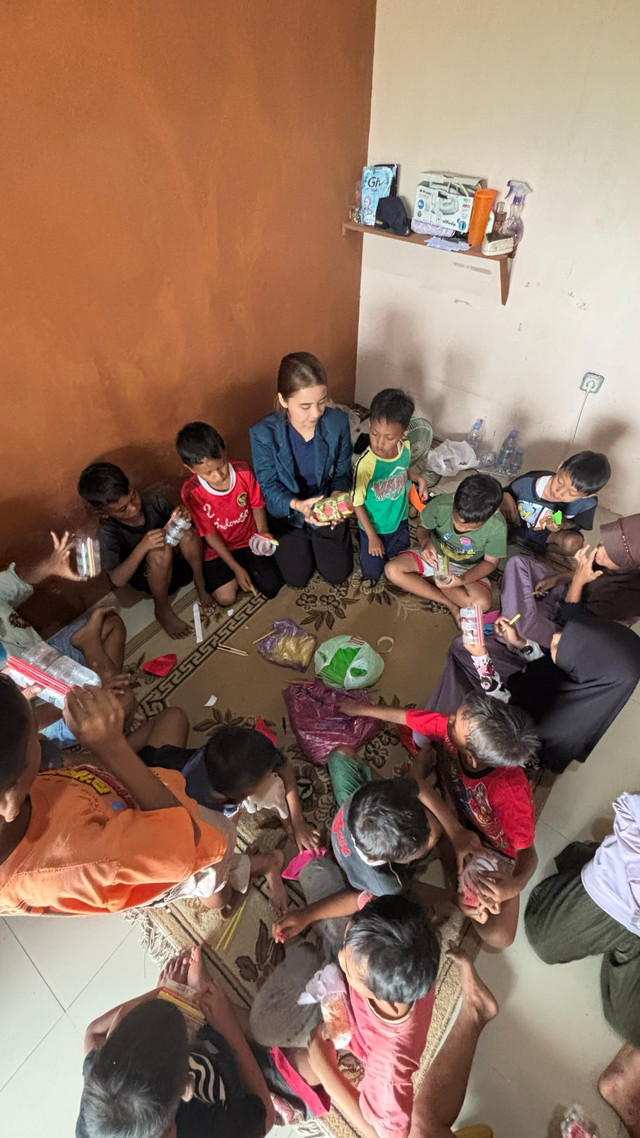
[230,612]
[213,699]
[197,623]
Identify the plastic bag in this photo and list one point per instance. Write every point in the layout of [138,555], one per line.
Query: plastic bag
[472,873]
[575,1124]
[450,457]
[319,725]
[288,645]
[327,988]
[348,662]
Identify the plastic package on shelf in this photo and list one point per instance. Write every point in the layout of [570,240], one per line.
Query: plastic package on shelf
[288,645]
[318,723]
[348,662]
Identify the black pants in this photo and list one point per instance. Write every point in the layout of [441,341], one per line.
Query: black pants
[263,571]
[305,548]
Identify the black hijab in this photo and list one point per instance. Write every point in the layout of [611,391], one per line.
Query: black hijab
[573,701]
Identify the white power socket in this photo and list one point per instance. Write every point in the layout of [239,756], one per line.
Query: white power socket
[591,382]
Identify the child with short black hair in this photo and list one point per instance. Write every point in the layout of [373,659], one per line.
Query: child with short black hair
[482,750]
[389,957]
[133,546]
[227,507]
[532,499]
[382,479]
[462,538]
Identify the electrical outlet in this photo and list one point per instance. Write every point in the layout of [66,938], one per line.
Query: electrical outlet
[591,382]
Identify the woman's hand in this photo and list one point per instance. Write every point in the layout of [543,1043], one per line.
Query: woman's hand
[585,570]
[507,632]
[305,506]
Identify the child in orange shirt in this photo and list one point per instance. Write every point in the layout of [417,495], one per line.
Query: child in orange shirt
[94,839]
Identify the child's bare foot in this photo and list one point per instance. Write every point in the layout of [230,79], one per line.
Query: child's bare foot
[235,900]
[476,996]
[275,886]
[207,604]
[92,627]
[197,975]
[619,1086]
[173,626]
[176,969]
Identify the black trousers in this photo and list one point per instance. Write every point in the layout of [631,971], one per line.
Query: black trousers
[304,548]
[263,571]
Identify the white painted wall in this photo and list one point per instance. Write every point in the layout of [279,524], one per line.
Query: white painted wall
[549,93]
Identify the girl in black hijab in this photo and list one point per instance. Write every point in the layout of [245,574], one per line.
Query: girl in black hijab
[574,691]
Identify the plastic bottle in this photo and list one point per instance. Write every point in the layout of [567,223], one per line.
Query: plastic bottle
[514,463]
[576,1124]
[482,203]
[513,226]
[63,668]
[488,461]
[505,452]
[499,217]
[262,546]
[474,438]
[175,529]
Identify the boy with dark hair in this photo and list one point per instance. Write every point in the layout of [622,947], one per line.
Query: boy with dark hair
[532,499]
[382,479]
[93,839]
[462,538]
[482,750]
[239,766]
[133,546]
[227,507]
[389,958]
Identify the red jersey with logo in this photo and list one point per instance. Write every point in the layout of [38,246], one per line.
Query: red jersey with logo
[229,514]
[497,800]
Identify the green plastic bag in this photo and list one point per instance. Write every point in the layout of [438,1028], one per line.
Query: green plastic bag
[348,662]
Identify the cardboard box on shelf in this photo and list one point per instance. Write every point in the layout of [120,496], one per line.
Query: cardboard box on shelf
[444,199]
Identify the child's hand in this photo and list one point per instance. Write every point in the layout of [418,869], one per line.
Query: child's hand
[542,587]
[477,912]
[244,580]
[58,562]
[182,513]
[376,548]
[291,925]
[153,539]
[551,524]
[95,716]
[507,632]
[429,553]
[306,836]
[351,707]
[495,888]
[422,488]
[585,571]
[466,844]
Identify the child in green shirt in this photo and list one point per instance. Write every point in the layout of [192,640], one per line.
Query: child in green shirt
[382,480]
[463,539]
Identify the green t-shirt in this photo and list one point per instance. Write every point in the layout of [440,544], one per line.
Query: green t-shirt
[382,487]
[465,548]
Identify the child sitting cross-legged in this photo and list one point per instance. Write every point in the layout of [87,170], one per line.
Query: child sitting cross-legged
[483,748]
[227,507]
[388,956]
[531,501]
[381,482]
[462,538]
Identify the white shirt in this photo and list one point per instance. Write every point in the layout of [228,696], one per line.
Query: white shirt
[612,878]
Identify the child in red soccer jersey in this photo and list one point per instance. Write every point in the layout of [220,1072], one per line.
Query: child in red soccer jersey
[227,507]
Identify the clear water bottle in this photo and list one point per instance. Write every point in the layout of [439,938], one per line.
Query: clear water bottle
[514,464]
[474,438]
[63,668]
[175,529]
[488,461]
[506,450]
[262,546]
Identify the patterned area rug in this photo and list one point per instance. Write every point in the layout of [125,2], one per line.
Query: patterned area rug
[249,687]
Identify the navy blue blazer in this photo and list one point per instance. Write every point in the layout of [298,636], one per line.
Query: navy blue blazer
[274,467]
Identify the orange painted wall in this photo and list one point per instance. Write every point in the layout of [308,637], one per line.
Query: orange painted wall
[174,174]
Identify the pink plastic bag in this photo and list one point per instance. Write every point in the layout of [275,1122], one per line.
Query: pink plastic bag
[318,723]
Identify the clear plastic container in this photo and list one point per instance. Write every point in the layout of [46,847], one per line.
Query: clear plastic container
[576,1124]
[474,438]
[262,546]
[514,463]
[87,557]
[506,450]
[175,529]
[62,668]
[488,461]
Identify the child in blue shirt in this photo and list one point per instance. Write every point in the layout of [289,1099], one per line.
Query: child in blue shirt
[531,501]
[382,480]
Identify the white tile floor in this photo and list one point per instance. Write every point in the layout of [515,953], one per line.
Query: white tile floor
[543,1051]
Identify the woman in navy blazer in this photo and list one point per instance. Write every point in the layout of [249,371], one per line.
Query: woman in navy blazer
[301,453]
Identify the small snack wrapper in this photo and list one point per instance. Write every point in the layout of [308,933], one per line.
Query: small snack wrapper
[575,1124]
[333,509]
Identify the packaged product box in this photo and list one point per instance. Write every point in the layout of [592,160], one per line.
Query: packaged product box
[444,199]
[377,182]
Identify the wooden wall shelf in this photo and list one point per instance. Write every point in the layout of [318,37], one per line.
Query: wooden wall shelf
[504,259]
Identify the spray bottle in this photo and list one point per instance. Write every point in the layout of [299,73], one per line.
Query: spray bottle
[513,226]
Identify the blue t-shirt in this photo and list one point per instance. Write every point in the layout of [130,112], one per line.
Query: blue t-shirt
[534,510]
[304,462]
